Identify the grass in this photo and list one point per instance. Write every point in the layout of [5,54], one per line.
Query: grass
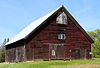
[94,63]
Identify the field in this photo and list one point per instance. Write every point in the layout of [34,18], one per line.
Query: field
[94,63]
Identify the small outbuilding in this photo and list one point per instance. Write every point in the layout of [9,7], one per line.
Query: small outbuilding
[56,35]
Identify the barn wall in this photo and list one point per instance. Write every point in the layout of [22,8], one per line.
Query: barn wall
[15,53]
[38,43]
[10,55]
[76,40]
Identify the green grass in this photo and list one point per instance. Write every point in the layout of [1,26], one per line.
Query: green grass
[50,64]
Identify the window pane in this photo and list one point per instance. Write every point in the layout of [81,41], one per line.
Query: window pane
[61,36]
[62,18]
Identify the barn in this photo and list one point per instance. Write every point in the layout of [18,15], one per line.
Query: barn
[54,36]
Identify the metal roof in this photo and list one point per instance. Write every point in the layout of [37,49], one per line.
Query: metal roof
[30,28]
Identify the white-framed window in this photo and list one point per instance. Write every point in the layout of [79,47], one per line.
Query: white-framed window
[61,19]
[62,36]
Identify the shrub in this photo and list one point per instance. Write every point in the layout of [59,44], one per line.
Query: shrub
[2,55]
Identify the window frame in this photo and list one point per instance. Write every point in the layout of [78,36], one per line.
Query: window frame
[61,36]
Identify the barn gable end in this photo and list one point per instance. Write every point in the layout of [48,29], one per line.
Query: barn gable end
[51,40]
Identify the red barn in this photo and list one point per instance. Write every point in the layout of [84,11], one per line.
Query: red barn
[56,35]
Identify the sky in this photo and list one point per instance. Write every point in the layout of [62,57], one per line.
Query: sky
[15,15]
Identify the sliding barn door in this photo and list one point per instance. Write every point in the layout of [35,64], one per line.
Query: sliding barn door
[57,51]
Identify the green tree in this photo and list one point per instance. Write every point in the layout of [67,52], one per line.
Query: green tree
[2,55]
[2,50]
[96,45]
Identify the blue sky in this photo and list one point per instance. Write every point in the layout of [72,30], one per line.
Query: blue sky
[17,14]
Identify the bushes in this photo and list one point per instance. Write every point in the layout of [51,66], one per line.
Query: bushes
[2,55]
[2,50]
[96,45]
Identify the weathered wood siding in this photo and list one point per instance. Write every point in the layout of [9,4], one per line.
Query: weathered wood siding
[40,43]
[76,40]
[15,53]
[10,55]
[47,35]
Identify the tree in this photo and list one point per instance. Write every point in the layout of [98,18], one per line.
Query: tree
[2,50]
[2,55]
[96,45]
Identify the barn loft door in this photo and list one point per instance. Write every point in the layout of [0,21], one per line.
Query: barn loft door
[57,51]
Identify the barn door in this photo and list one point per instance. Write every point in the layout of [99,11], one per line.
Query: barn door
[20,54]
[53,51]
[75,54]
[60,52]
[57,51]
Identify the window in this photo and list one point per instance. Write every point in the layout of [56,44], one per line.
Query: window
[62,19]
[53,53]
[62,36]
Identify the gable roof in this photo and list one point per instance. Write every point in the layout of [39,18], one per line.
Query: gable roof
[25,32]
